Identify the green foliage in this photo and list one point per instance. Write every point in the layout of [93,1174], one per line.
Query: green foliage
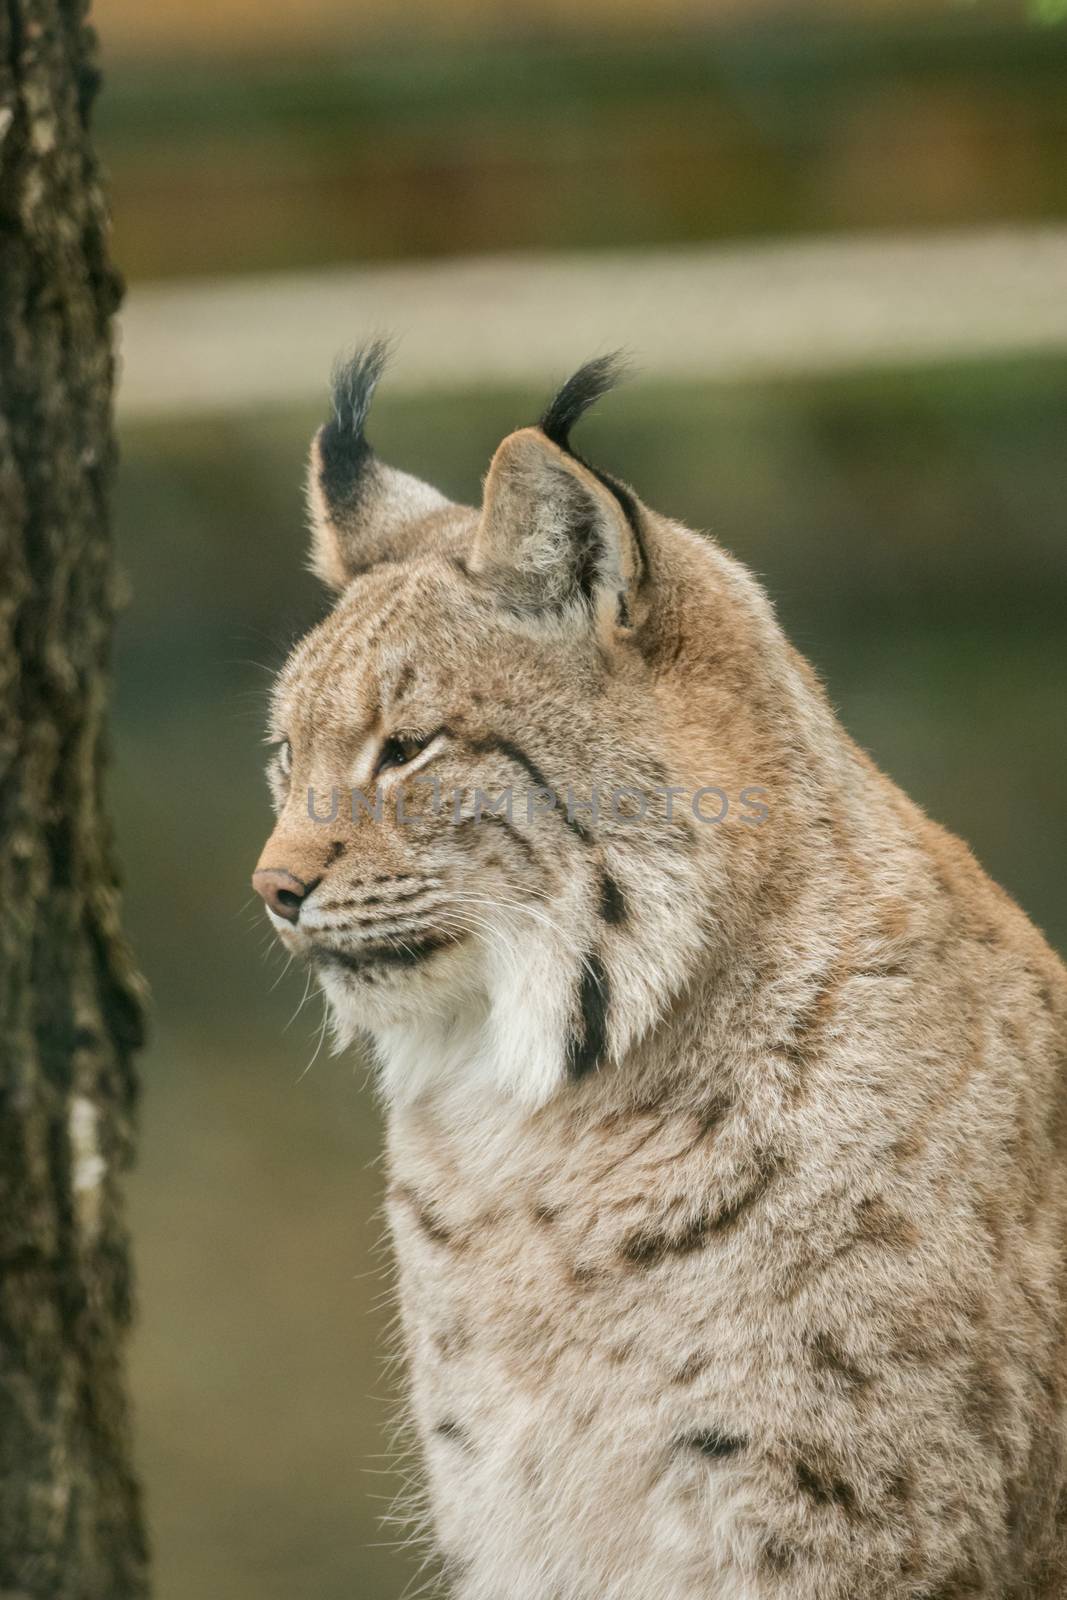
[1044,12]
[438,149]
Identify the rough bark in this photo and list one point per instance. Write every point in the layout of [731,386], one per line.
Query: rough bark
[70,1010]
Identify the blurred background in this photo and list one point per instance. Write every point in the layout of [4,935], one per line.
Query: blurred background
[834,236]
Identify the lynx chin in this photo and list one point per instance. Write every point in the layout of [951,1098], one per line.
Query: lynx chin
[727,1165]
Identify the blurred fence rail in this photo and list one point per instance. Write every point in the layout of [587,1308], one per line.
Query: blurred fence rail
[752,312]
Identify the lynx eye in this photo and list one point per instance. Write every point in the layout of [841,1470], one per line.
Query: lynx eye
[400,748]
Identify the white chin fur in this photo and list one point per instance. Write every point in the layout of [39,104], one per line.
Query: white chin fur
[478,1015]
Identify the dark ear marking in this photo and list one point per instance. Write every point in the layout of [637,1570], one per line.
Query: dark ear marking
[630,512]
[581,390]
[343,448]
[362,512]
[353,385]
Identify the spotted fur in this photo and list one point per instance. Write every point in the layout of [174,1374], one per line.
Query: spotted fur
[727,1163]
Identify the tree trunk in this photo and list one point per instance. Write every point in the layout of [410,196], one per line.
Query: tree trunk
[70,1006]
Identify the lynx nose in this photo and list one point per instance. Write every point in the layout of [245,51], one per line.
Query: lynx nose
[283,893]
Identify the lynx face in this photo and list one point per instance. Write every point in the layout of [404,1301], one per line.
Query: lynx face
[477,847]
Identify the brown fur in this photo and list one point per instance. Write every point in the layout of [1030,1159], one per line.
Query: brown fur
[770,1300]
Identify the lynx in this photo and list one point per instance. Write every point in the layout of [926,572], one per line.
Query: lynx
[727,1173]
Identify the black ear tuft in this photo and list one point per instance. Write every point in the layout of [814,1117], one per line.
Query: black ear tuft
[580,391]
[354,383]
[361,511]
[343,450]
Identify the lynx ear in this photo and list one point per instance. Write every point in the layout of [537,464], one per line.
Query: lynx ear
[555,534]
[361,511]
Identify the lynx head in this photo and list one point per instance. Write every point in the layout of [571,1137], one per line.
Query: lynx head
[484,758]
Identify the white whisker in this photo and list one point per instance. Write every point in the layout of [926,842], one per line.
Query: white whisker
[323,1026]
[300,1007]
